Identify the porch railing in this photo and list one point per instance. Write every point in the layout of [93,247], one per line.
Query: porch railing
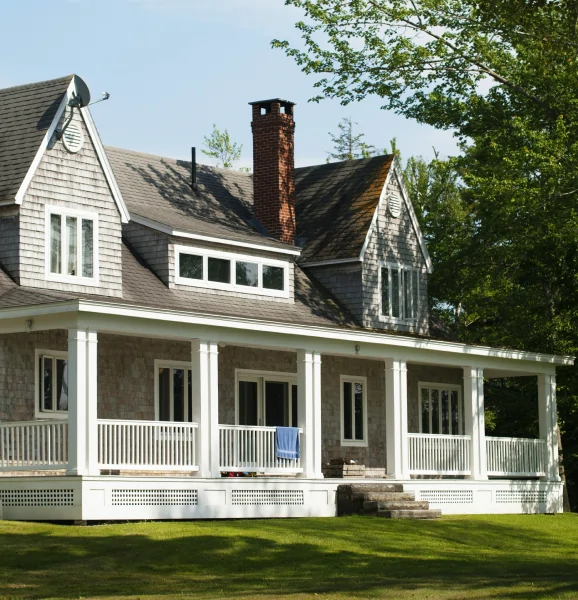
[515,456]
[147,445]
[245,448]
[433,454]
[33,445]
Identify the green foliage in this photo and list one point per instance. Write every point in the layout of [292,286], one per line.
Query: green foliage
[219,146]
[503,76]
[347,145]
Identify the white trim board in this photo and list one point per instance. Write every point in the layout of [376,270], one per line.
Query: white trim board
[205,238]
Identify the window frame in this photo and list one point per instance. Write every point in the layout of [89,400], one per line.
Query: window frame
[80,215]
[173,364]
[406,269]
[353,379]
[261,377]
[40,414]
[450,387]
[234,257]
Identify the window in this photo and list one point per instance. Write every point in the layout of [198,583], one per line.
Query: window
[52,384]
[224,270]
[399,293]
[174,383]
[268,399]
[353,411]
[441,409]
[71,246]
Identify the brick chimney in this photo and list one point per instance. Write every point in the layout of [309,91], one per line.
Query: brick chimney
[273,167]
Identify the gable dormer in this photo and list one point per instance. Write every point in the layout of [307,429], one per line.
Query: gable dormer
[61,208]
[362,241]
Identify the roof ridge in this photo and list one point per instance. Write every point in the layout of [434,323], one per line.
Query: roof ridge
[352,161]
[37,83]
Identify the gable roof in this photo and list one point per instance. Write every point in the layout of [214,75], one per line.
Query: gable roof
[26,114]
[158,193]
[335,204]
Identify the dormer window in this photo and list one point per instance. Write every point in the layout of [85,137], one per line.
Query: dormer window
[201,267]
[399,293]
[71,246]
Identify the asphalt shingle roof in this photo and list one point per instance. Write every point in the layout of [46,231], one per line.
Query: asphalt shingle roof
[26,113]
[335,204]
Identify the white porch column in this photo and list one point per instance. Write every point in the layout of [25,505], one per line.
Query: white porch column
[396,418]
[474,420]
[549,423]
[309,411]
[82,402]
[205,404]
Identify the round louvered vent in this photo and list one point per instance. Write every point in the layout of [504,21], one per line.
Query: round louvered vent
[73,138]
[394,204]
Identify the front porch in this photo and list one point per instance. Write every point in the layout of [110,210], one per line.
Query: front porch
[204,445]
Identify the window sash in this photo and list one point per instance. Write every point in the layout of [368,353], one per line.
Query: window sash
[53,384]
[174,393]
[441,410]
[71,245]
[399,293]
[353,411]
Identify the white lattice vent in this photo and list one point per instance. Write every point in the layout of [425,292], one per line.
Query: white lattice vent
[262,497]
[520,496]
[155,497]
[37,497]
[447,496]
[73,138]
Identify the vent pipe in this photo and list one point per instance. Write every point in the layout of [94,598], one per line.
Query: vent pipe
[194,185]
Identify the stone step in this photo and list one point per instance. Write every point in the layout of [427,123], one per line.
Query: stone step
[373,507]
[410,514]
[366,488]
[384,496]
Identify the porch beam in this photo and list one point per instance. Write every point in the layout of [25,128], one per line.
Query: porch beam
[549,424]
[396,418]
[309,411]
[474,420]
[82,402]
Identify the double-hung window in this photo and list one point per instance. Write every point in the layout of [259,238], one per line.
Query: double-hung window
[174,383]
[441,409]
[353,411]
[51,384]
[399,292]
[71,246]
[225,270]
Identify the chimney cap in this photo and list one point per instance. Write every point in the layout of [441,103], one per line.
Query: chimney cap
[271,100]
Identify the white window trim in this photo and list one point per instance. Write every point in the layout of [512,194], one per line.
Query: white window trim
[389,318]
[40,415]
[233,257]
[79,214]
[172,364]
[259,377]
[441,386]
[353,379]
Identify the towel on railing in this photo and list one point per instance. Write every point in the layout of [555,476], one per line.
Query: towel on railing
[287,443]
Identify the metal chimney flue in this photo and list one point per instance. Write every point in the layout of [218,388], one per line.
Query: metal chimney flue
[194,185]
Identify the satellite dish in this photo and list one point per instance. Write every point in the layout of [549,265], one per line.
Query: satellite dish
[80,93]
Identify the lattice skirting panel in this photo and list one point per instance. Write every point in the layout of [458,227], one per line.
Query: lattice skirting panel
[447,496]
[144,497]
[37,497]
[521,496]
[267,497]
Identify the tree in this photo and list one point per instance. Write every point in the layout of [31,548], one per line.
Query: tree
[347,145]
[502,75]
[219,146]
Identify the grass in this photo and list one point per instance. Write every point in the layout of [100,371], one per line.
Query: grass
[514,557]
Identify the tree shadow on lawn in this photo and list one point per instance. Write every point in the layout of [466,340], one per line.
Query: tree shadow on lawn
[241,558]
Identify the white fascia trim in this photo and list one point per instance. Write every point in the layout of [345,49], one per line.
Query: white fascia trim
[413,218]
[108,173]
[205,238]
[43,145]
[324,263]
[355,336]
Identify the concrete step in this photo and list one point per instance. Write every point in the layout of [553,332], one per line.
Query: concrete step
[410,514]
[366,488]
[373,507]
[384,496]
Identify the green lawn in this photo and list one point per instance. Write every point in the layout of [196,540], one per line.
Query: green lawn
[356,557]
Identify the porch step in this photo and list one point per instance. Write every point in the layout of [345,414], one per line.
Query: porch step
[410,514]
[386,500]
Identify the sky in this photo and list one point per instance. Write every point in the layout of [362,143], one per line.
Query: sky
[173,68]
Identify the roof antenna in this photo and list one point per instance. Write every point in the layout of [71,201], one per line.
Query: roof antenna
[194,185]
[80,98]
[105,96]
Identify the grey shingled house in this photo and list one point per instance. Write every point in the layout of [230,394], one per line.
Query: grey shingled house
[165,328]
